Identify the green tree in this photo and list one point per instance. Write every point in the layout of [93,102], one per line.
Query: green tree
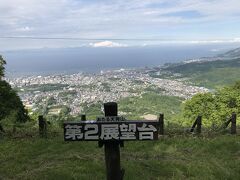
[200,104]
[2,63]
[10,101]
[214,107]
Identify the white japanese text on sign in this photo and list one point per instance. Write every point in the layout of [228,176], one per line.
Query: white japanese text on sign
[110,131]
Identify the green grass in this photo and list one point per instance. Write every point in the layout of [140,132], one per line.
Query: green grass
[217,77]
[205,66]
[150,103]
[181,157]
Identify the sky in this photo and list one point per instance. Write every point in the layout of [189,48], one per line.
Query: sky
[116,23]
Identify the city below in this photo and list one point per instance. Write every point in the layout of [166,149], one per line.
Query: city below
[78,90]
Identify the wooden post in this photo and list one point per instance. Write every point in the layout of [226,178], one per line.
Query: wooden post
[1,128]
[199,124]
[161,124]
[233,124]
[42,126]
[83,117]
[111,148]
[193,126]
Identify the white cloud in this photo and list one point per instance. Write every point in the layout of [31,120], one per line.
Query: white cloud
[25,29]
[214,41]
[236,40]
[116,19]
[215,50]
[107,44]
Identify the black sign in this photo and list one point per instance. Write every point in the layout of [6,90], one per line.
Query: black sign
[105,131]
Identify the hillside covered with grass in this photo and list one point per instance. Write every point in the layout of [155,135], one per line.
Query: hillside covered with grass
[150,103]
[181,157]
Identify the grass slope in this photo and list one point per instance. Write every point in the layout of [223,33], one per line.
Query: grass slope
[217,77]
[150,103]
[135,107]
[169,158]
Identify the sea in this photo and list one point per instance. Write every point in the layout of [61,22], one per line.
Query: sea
[48,61]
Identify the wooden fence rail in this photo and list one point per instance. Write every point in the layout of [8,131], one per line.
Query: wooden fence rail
[197,124]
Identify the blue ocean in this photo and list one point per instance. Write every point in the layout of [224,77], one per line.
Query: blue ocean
[90,59]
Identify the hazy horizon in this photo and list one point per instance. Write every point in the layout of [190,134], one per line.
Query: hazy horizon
[89,59]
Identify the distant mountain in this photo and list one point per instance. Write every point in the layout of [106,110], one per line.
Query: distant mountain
[235,53]
[210,72]
[229,55]
[186,69]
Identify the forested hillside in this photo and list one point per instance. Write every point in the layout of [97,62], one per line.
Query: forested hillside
[214,107]
[210,72]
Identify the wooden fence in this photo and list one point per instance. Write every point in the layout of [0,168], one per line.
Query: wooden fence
[196,127]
